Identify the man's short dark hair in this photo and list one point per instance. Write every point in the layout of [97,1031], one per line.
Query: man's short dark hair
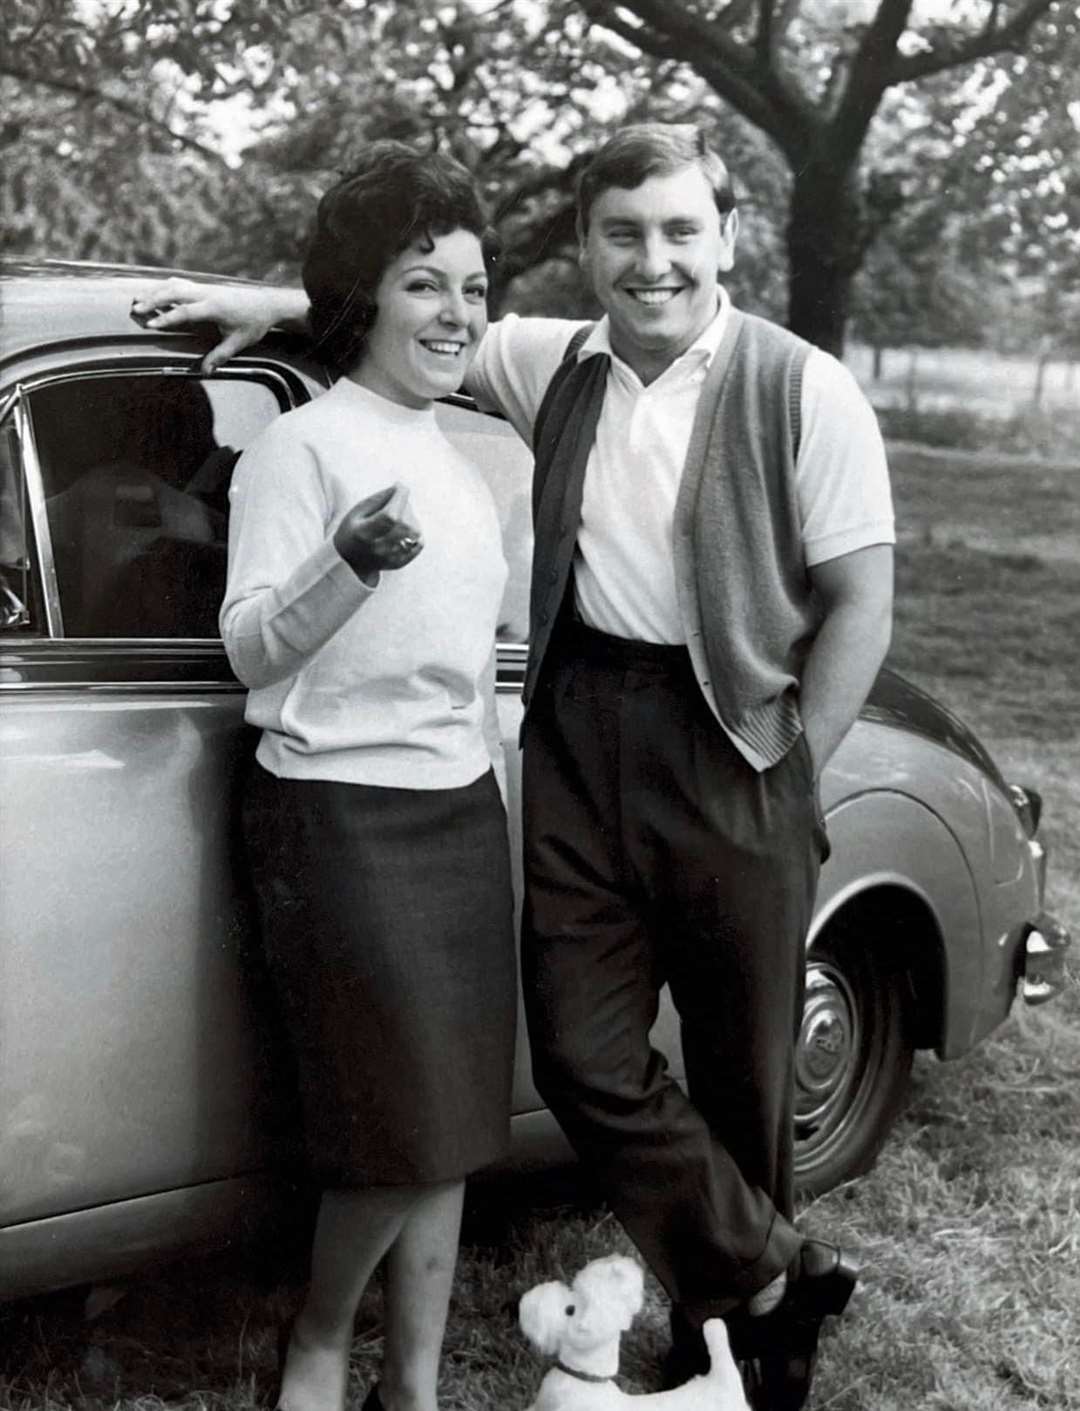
[394,197]
[646,149]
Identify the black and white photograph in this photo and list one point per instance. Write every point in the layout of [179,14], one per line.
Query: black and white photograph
[539,744]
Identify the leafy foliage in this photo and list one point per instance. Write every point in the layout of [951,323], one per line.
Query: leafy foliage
[987,243]
[814,75]
[113,138]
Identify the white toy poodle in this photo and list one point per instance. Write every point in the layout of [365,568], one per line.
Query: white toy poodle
[580,1327]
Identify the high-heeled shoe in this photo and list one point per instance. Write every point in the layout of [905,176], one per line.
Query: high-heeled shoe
[373,1401]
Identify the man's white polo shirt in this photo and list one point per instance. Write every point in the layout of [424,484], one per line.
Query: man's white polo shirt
[624,567]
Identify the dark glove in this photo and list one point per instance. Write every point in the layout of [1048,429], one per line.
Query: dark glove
[377,534]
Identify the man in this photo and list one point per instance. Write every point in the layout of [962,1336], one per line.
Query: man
[711,601]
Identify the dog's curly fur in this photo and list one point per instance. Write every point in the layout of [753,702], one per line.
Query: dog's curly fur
[581,1325]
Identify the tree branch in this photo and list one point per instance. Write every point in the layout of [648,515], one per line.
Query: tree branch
[774,21]
[538,182]
[676,33]
[990,40]
[869,72]
[731,69]
[763,39]
[735,11]
[121,105]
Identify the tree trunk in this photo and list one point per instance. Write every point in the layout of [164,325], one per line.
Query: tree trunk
[1040,379]
[819,296]
[827,238]
[912,385]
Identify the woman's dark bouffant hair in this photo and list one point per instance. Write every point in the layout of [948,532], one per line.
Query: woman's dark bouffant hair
[394,197]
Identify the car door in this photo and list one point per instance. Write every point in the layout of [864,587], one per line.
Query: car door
[131,1056]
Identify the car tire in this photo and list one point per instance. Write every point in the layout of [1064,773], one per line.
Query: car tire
[853,1057]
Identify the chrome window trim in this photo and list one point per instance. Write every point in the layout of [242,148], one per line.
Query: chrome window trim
[510,661]
[35,499]
[122,665]
[244,370]
[26,654]
[123,688]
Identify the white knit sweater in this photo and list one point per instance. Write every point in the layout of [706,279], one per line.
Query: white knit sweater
[378,686]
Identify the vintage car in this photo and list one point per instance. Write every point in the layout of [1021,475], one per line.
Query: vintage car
[141,1105]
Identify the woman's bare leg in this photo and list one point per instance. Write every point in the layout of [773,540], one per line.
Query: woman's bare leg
[353,1231]
[419,1279]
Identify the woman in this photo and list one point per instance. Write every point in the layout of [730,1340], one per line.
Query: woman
[365,576]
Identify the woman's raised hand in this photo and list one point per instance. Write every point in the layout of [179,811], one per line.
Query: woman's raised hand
[377,534]
[243,315]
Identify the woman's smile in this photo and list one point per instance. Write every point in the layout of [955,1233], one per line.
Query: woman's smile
[442,347]
[431,314]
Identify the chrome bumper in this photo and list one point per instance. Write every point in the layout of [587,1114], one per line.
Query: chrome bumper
[1042,973]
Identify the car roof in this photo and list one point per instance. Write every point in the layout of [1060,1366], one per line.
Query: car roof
[44,301]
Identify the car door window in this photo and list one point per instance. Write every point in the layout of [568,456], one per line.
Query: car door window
[135,470]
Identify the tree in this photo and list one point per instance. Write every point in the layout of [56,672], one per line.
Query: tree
[812,75]
[521,114]
[1021,178]
[110,132]
[104,148]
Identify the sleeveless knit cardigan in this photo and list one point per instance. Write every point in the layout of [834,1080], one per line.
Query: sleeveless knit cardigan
[744,592]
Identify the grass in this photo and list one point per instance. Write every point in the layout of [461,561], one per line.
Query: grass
[968,1227]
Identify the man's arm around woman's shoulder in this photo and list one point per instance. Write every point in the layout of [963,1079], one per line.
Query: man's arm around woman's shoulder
[242,313]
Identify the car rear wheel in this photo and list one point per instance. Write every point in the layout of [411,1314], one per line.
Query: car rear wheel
[853,1059]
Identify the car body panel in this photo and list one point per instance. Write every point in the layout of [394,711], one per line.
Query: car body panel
[948,825]
[54,305]
[139,920]
[124,1236]
[141,1089]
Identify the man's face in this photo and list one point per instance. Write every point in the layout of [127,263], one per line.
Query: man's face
[653,254]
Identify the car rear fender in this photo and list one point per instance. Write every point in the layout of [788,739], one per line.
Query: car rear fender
[895,861]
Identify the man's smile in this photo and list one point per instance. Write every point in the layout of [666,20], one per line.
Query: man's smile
[653,296]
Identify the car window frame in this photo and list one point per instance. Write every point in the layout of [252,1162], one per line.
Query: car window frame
[288,387]
[41,563]
[28,590]
[46,658]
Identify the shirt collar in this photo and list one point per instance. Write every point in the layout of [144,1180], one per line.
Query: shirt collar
[701,351]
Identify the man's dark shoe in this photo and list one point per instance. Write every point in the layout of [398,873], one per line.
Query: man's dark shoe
[781,1346]
[823,1281]
[820,1281]
[776,1352]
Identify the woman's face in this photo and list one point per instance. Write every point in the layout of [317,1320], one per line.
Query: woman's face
[432,313]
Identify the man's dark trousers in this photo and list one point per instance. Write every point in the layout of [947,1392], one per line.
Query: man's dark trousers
[655,853]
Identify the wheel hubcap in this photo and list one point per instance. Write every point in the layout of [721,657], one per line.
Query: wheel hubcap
[828,1042]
